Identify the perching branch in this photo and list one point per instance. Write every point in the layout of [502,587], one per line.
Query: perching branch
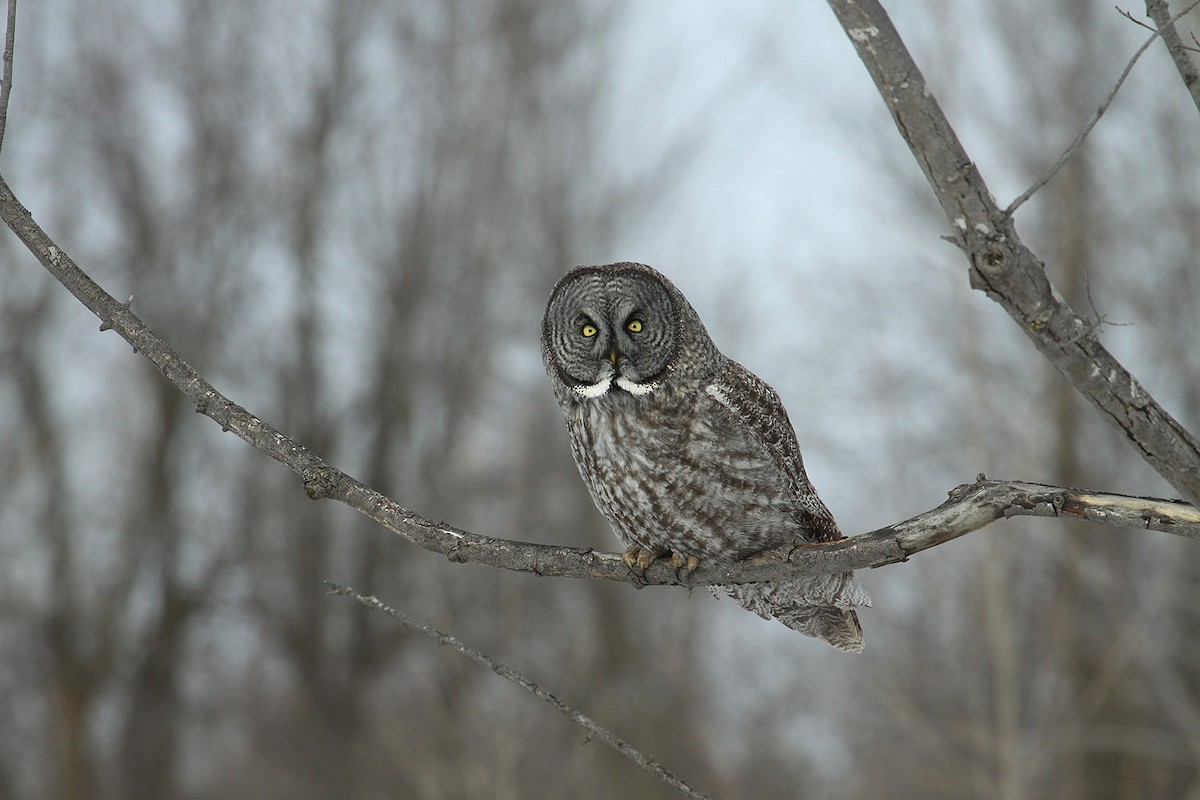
[594,729]
[1160,12]
[1004,268]
[969,507]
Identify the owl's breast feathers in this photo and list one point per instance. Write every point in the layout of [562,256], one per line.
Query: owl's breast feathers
[711,470]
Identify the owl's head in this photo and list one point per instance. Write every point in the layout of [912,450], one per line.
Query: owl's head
[623,328]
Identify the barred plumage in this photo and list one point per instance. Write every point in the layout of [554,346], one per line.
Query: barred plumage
[685,451]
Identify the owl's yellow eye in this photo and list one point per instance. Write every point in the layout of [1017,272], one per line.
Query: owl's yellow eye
[634,326]
[589,331]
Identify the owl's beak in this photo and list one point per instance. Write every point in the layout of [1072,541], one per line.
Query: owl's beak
[612,356]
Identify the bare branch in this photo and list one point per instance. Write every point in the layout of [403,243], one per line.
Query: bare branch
[1004,268]
[969,507]
[1160,12]
[1127,15]
[6,78]
[595,730]
[1091,123]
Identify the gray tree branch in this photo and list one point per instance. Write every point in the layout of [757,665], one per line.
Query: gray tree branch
[1160,12]
[1004,268]
[968,509]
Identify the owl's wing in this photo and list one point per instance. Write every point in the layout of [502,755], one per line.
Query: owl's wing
[758,410]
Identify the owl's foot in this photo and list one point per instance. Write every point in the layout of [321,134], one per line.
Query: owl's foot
[640,558]
[684,565]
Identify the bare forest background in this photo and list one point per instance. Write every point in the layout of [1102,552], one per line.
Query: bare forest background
[347,215]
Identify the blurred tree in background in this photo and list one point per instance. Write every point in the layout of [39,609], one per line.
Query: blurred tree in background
[348,214]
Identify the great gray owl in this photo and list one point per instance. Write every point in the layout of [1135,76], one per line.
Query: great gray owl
[686,452]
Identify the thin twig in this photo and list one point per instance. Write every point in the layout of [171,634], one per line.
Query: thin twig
[595,730]
[1091,123]
[6,79]
[1129,16]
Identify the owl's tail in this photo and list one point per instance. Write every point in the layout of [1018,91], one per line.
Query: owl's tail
[821,606]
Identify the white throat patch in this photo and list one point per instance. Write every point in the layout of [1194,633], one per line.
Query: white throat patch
[596,389]
[636,389]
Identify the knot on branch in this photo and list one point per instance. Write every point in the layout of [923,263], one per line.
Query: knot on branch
[106,324]
[321,483]
[993,260]
[459,553]
[205,403]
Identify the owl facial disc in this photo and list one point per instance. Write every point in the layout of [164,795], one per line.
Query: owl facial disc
[611,326]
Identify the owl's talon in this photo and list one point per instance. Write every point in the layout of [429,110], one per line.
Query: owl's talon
[639,558]
[684,565]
